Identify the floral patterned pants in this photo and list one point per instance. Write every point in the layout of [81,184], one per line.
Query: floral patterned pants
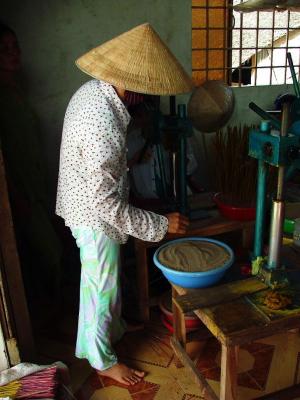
[100,322]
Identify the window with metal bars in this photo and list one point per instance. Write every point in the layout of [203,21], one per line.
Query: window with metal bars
[243,48]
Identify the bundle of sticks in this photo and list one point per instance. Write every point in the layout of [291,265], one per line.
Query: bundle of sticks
[39,385]
[235,171]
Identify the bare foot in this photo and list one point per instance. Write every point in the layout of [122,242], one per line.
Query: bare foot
[123,374]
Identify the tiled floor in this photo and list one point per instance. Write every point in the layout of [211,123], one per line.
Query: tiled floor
[264,366]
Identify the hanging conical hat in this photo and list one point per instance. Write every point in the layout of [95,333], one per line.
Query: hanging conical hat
[210,106]
[139,61]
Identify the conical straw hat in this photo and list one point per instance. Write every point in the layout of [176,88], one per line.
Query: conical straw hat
[139,61]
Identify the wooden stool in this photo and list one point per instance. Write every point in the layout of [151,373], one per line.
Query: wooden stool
[209,227]
[232,319]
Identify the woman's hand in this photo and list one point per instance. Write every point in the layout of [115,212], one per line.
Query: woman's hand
[178,223]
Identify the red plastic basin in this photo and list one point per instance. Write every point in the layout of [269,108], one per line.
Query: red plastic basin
[234,212]
[191,321]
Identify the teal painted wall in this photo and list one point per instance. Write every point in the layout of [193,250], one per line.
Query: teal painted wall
[53,33]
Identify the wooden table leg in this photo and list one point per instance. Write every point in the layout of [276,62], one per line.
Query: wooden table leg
[178,321]
[228,383]
[142,280]
[179,334]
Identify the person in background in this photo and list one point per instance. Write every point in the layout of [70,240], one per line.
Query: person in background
[92,193]
[145,177]
[38,244]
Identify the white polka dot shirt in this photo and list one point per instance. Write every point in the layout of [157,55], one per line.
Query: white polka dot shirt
[92,184]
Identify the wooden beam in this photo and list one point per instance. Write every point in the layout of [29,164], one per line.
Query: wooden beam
[205,390]
[11,274]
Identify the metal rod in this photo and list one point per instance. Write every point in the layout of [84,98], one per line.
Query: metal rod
[161,170]
[278,204]
[276,234]
[174,167]
[295,82]
[182,175]
[228,64]
[287,35]
[240,52]
[272,46]
[283,133]
[183,162]
[273,121]
[256,48]
[280,183]
[260,209]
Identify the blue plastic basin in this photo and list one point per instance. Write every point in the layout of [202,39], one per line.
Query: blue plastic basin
[194,279]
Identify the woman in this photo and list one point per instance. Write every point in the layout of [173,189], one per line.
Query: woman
[92,194]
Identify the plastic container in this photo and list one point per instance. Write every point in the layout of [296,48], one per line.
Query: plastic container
[288,225]
[165,304]
[195,279]
[234,212]
[292,212]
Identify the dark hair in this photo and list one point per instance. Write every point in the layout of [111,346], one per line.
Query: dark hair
[5,29]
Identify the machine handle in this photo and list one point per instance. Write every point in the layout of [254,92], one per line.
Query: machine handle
[273,121]
[295,82]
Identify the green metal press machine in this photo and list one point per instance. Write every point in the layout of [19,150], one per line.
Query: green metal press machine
[275,143]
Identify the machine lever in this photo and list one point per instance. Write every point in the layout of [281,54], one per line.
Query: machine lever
[262,113]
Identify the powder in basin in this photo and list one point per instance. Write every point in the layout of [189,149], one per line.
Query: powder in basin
[193,256]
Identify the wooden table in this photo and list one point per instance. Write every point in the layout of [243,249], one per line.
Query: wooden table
[234,321]
[209,227]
